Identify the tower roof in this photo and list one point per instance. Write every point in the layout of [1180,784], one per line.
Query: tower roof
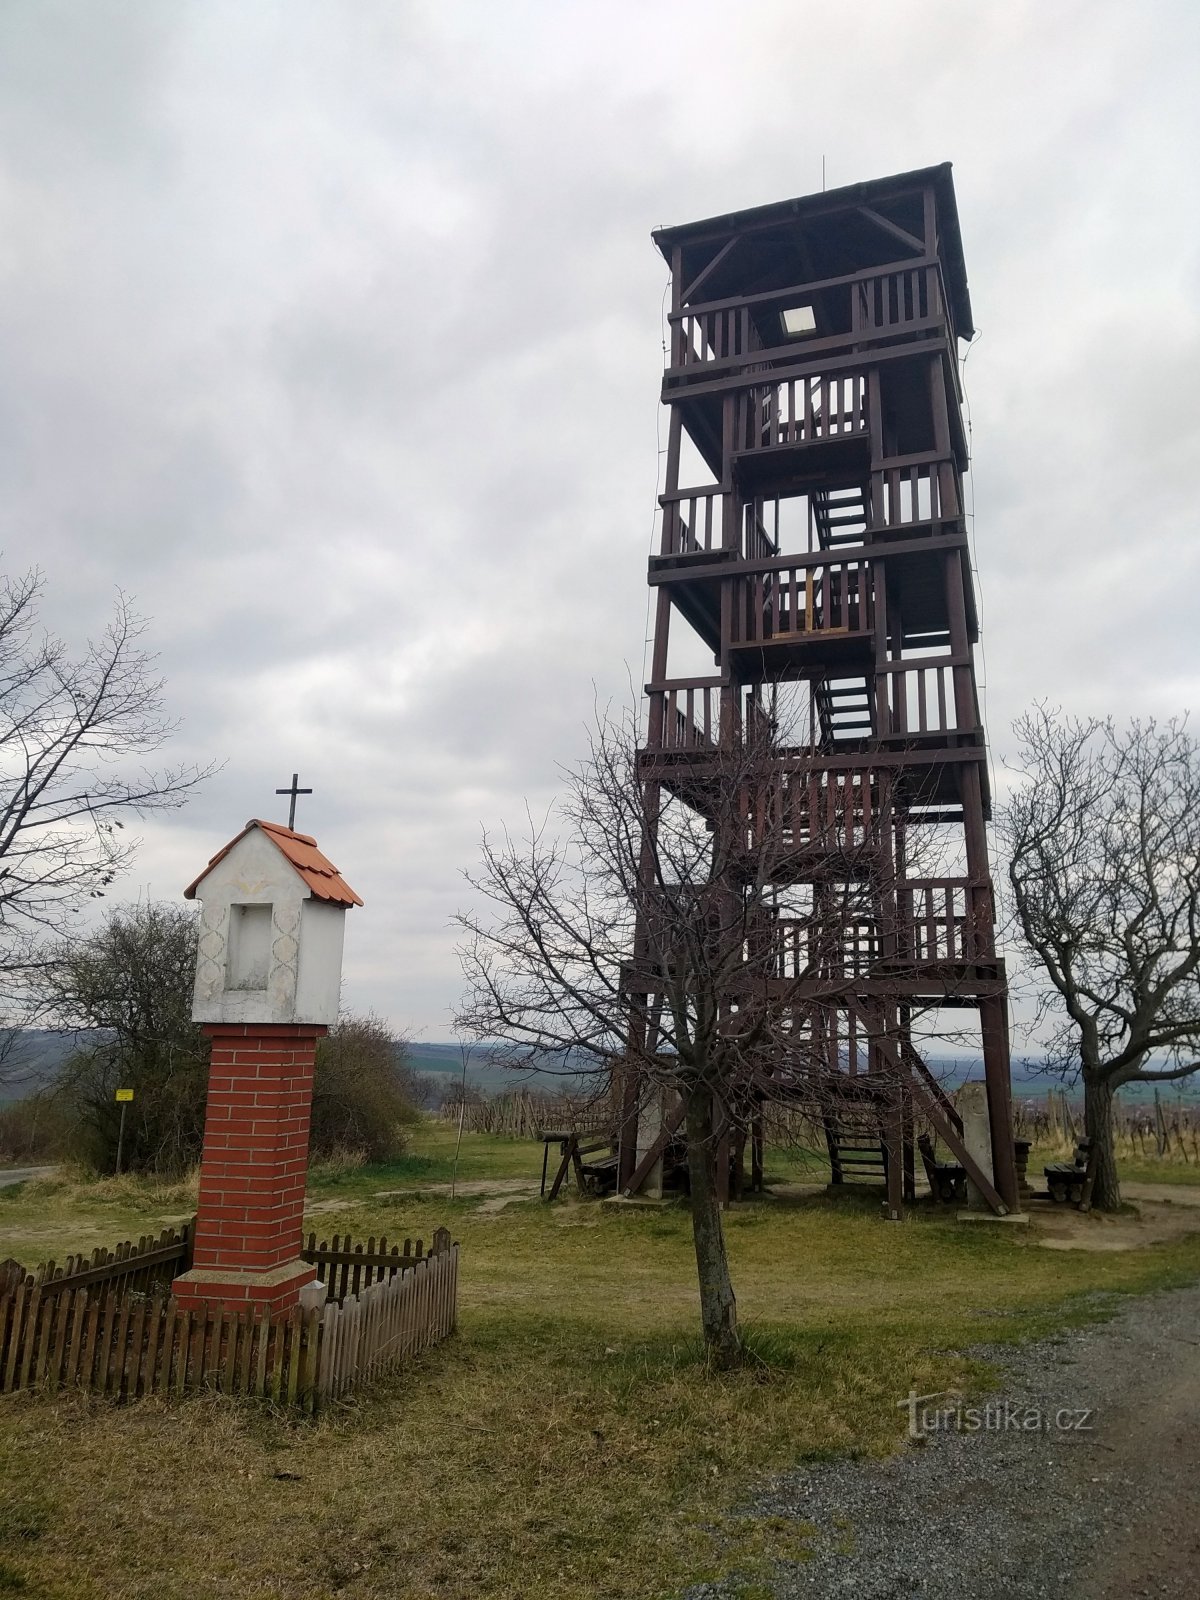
[300,850]
[830,224]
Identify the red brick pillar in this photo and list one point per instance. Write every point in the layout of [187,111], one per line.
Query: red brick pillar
[249,1224]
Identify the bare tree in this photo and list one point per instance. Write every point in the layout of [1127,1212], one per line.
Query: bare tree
[648,933]
[73,731]
[126,991]
[1103,844]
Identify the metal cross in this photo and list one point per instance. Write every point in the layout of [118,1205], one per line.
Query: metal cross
[293,791]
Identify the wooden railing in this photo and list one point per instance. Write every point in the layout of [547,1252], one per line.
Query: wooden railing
[911,489]
[757,543]
[801,410]
[908,490]
[690,714]
[830,597]
[855,306]
[685,714]
[709,334]
[937,921]
[692,521]
[944,919]
[794,948]
[811,947]
[891,299]
[830,809]
[922,698]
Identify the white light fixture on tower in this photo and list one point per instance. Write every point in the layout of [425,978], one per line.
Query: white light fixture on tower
[799,319]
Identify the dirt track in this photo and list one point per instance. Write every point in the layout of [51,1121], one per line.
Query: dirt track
[1107,1512]
[1153,1431]
[1163,1211]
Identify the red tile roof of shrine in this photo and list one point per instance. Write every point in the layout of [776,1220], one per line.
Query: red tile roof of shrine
[319,873]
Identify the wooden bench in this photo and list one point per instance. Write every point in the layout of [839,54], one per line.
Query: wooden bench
[947,1180]
[600,1176]
[1066,1181]
[595,1177]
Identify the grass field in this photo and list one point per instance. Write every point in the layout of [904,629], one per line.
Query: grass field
[1137,1169]
[567,1441]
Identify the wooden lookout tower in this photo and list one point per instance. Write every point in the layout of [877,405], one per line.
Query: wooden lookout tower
[814,546]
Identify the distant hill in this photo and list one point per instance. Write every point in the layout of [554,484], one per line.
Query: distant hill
[489,1078]
[486,1075]
[31,1058]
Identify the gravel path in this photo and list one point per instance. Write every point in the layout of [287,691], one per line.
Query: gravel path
[10,1175]
[1110,1513]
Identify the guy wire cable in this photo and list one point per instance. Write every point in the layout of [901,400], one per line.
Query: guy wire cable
[974,558]
[658,411]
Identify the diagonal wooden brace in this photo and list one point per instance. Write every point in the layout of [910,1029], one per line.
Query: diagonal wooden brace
[569,1149]
[953,1139]
[908,1063]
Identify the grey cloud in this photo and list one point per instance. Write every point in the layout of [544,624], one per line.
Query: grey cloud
[334,335]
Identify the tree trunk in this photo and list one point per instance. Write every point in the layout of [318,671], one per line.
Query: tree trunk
[718,1306]
[1098,1107]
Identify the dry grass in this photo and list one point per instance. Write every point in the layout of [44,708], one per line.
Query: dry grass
[568,1442]
[334,1166]
[49,1218]
[1134,1164]
[1154,1169]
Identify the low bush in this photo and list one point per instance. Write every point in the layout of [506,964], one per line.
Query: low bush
[362,1093]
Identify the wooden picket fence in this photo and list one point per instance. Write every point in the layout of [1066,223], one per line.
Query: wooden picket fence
[123,1343]
[153,1262]
[150,1263]
[389,1321]
[346,1268]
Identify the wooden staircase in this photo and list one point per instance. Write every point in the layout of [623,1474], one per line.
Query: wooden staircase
[855,1144]
[840,515]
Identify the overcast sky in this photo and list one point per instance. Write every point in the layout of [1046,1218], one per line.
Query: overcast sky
[332,333]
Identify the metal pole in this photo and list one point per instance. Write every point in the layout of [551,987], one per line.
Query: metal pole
[121,1135]
[462,1111]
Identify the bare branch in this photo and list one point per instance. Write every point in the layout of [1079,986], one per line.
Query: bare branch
[72,735]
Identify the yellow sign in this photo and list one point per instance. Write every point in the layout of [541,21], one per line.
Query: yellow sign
[124,1094]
